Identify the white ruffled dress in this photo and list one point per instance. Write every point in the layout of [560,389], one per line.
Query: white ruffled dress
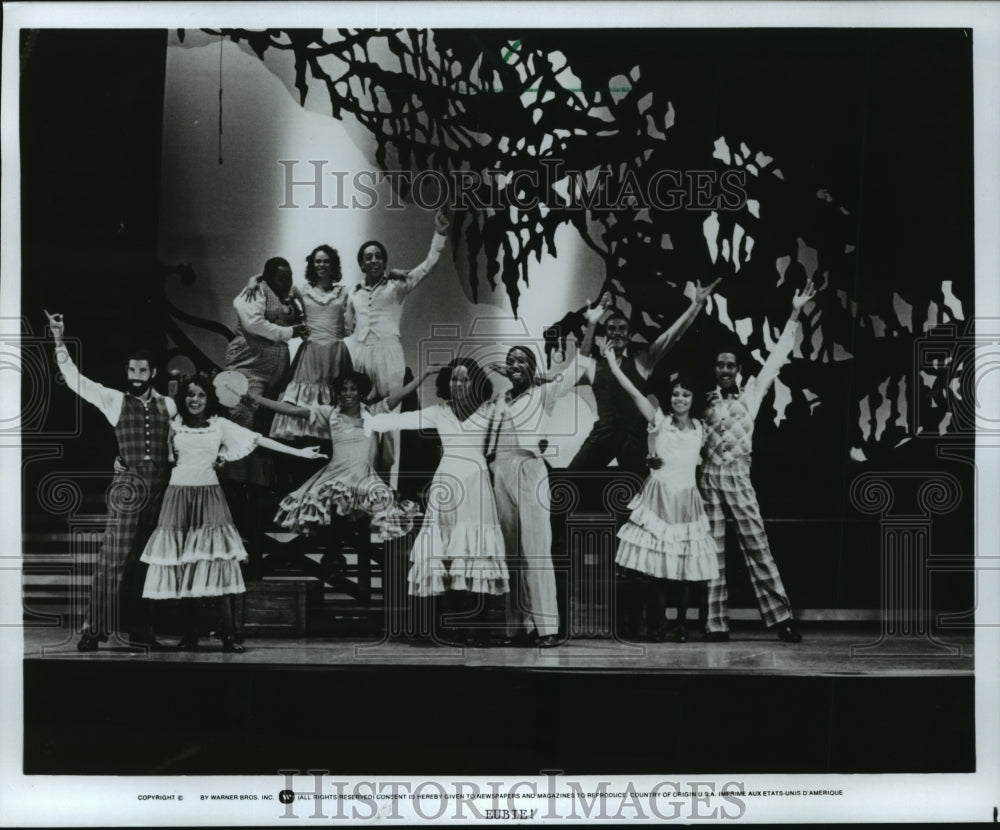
[347,486]
[668,535]
[195,550]
[460,545]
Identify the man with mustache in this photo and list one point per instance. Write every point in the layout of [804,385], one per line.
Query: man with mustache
[140,417]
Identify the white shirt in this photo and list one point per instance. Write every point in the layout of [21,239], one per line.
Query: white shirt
[375,311]
[109,401]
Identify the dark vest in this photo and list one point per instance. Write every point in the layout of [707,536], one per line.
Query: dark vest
[615,409]
[142,436]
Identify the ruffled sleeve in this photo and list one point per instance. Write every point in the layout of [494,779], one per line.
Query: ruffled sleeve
[319,414]
[237,442]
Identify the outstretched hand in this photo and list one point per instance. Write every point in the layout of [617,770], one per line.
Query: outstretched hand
[56,325]
[311,453]
[594,315]
[804,295]
[701,293]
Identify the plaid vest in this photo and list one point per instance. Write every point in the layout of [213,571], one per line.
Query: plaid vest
[728,430]
[142,432]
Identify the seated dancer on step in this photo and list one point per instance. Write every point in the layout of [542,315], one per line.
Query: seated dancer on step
[373,313]
[140,417]
[346,497]
[459,550]
[667,536]
[323,356]
[195,551]
[725,483]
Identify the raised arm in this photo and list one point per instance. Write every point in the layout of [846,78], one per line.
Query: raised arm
[279,406]
[779,354]
[109,401]
[668,339]
[396,395]
[646,409]
[415,276]
[593,316]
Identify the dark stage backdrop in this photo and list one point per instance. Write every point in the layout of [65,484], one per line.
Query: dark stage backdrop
[874,125]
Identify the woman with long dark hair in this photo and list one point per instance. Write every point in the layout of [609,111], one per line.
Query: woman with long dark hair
[195,551]
[323,356]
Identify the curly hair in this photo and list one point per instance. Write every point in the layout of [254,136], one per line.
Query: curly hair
[684,380]
[529,356]
[212,405]
[334,263]
[363,382]
[480,386]
[368,244]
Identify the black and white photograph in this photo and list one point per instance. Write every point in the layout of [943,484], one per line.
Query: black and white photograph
[492,412]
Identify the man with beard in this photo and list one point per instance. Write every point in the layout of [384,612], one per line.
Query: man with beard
[140,417]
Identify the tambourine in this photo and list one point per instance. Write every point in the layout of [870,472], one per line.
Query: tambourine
[230,387]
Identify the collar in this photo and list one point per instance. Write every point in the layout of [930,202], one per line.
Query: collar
[363,285]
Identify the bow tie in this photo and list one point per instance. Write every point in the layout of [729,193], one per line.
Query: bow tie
[723,393]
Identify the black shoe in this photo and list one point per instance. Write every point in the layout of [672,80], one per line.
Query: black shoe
[230,646]
[716,636]
[520,640]
[548,641]
[189,642]
[89,641]
[681,633]
[788,632]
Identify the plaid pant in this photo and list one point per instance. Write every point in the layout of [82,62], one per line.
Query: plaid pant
[729,487]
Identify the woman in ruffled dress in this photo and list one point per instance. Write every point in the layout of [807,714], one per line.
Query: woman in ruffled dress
[347,492]
[195,551]
[323,356]
[667,535]
[459,553]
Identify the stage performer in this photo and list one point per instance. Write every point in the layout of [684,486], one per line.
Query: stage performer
[195,551]
[667,535]
[459,550]
[346,496]
[323,357]
[516,440]
[140,418]
[620,430]
[373,314]
[266,319]
[725,483]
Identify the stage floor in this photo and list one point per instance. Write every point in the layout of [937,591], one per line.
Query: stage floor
[825,651]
